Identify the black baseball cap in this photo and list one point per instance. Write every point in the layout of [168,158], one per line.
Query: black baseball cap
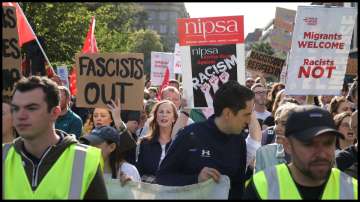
[308,121]
[101,134]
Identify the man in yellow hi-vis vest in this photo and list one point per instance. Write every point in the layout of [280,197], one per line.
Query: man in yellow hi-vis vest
[310,140]
[44,163]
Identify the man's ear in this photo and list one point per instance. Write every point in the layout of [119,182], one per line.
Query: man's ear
[56,112]
[227,113]
[287,145]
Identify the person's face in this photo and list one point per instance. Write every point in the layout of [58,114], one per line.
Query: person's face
[132,126]
[30,114]
[173,97]
[314,158]
[354,123]
[6,119]
[326,99]
[260,95]
[106,149]
[64,101]
[239,121]
[300,98]
[165,116]
[249,83]
[344,107]
[279,128]
[344,128]
[101,117]
[152,94]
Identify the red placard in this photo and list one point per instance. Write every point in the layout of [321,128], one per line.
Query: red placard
[210,31]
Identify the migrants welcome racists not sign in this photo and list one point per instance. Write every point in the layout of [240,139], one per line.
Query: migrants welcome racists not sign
[319,50]
[102,77]
[212,52]
[11,57]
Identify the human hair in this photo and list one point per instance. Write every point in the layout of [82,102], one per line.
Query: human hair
[153,125]
[149,106]
[353,90]
[49,87]
[338,118]
[335,104]
[284,109]
[116,158]
[66,90]
[153,89]
[257,85]
[277,101]
[89,123]
[272,94]
[170,89]
[174,81]
[231,95]
[288,100]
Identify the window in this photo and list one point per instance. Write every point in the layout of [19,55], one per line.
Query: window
[163,28]
[151,27]
[163,15]
[152,15]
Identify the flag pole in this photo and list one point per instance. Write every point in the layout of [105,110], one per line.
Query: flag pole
[42,50]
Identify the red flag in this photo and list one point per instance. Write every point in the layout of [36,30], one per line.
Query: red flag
[89,47]
[25,31]
[90,41]
[164,83]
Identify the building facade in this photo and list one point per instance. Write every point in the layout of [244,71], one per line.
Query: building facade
[162,19]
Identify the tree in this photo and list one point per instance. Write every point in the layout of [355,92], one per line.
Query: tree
[64,26]
[263,47]
[145,41]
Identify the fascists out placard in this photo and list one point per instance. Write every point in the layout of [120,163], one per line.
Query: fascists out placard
[266,65]
[102,77]
[212,53]
[319,50]
[11,57]
[159,62]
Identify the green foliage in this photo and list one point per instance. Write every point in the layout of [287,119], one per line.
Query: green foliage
[145,41]
[64,26]
[263,47]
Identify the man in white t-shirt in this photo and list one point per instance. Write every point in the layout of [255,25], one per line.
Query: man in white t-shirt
[260,101]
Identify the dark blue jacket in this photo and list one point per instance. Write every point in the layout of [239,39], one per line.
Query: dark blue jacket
[204,145]
[149,156]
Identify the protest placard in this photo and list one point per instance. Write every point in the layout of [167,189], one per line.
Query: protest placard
[284,19]
[159,62]
[177,59]
[102,77]
[319,50]
[63,73]
[141,190]
[11,57]
[266,65]
[212,52]
[280,39]
[352,67]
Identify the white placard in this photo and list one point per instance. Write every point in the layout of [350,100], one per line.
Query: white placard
[319,50]
[63,73]
[159,62]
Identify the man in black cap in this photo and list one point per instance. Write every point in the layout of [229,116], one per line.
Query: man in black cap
[310,140]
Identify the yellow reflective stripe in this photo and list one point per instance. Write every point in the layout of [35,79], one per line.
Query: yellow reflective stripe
[273,182]
[260,183]
[355,187]
[346,186]
[287,187]
[332,186]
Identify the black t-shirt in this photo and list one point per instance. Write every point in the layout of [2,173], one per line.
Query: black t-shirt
[306,193]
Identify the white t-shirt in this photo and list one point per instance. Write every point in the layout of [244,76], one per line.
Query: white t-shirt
[262,115]
[130,170]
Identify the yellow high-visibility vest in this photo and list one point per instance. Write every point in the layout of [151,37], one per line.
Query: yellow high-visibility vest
[68,178]
[276,183]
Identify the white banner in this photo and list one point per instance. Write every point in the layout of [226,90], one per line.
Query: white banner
[159,62]
[319,50]
[140,190]
[177,59]
[63,73]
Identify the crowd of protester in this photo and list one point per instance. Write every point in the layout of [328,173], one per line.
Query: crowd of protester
[166,143]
